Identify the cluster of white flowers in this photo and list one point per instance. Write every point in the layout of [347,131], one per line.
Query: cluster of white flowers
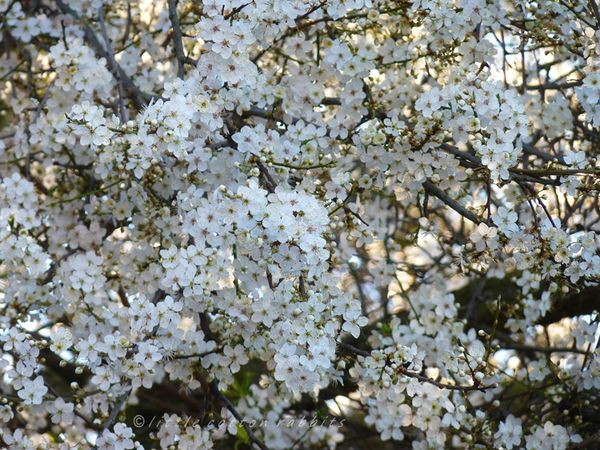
[386,378]
[24,26]
[262,222]
[589,92]
[191,437]
[78,71]
[550,436]
[17,202]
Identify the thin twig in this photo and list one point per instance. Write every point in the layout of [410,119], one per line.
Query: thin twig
[138,97]
[214,386]
[454,387]
[111,56]
[546,350]
[114,412]
[270,183]
[423,378]
[595,11]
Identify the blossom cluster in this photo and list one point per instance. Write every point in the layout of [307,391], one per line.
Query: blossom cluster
[379,213]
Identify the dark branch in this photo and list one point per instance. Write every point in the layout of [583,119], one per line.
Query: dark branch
[90,37]
[177,38]
[432,189]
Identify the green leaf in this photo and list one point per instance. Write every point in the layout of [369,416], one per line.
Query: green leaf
[241,436]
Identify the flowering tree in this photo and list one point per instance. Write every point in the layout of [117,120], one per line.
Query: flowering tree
[299,224]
